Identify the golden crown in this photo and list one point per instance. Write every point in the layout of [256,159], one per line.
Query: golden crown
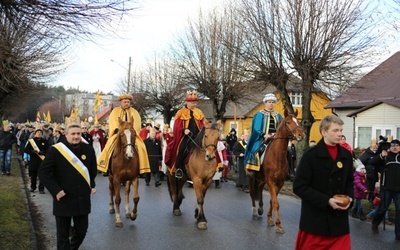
[191,96]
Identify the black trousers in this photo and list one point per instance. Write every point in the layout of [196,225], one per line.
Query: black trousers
[34,176]
[63,224]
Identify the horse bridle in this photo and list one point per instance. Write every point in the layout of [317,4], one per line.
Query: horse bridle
[204,138]
[291,136]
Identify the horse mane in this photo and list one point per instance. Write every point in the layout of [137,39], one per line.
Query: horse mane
[200,135]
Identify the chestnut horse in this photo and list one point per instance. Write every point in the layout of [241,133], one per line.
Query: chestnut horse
[124,168]
[274,169]
[200,168]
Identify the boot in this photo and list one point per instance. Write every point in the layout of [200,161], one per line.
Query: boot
[374,228]
[362,215]
[354,213]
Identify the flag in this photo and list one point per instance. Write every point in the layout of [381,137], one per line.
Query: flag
[48,116]
[38,117]
[44,116]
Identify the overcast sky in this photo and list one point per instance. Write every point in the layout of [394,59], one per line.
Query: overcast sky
[152,28]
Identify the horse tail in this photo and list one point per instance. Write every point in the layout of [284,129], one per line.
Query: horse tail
[169,188]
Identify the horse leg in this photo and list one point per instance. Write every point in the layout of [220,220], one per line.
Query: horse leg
[117,186]
[200,189]
[112,192]
[127,191]
[260,188]
[275,205]
[173,192]
[136,198]
[253,191]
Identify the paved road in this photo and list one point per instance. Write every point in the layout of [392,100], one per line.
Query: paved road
[230,225]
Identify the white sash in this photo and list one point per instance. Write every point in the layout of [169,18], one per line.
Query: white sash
[73,160]
[36,148]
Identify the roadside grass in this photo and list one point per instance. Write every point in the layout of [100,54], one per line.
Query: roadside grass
[15,225]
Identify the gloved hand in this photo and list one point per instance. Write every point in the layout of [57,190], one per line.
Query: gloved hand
[220,169]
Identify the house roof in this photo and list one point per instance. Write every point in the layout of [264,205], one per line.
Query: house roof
[379,85]
[394,103]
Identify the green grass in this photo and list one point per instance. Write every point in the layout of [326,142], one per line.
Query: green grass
[15,229]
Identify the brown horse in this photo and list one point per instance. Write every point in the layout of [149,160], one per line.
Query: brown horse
[200,169]
[274,169]
[124,168]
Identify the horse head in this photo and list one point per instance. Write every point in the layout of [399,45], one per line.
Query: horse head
[127,136]
[292,125]
[209,140]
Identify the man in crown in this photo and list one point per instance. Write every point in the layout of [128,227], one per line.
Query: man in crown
[125,112]
[263,128]
[189,120]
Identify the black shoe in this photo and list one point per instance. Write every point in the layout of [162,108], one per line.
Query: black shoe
[32,190]
[41,191]
[3,173]
[147,184]
[397,237]
[374,228]
[179,173]
[8,173]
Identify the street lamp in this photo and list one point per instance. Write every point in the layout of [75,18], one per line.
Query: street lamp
[59,106]
[129,73]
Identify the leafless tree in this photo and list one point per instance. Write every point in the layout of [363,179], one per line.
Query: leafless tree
[321,40]
[209,57]
[66,20]
[164,89]
[26,61]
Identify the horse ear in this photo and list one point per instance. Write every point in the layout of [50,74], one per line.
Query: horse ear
[296,112]
[286,112]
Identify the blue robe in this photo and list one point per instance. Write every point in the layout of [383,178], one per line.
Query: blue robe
[259,127]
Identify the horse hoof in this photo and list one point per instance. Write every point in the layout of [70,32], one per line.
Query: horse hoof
[256,217]
[128,215]
[133,216]
[177,212]
[112,211]
[280,231]
[260,211]
[118,224]
[202,225]
[271,224]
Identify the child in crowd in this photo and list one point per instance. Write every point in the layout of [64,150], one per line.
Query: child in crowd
[360,191]
[377,202]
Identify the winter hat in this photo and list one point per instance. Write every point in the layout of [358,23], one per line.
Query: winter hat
[269,97]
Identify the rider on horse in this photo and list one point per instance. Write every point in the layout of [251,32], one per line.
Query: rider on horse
[125,112]
[189,120]
[263,128]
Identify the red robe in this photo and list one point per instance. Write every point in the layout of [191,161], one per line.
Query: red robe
[182,118]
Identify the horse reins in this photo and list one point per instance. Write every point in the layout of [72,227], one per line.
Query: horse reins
[207,145]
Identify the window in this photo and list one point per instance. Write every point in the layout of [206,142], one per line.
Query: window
[233,125]
[295,98]
[364,137]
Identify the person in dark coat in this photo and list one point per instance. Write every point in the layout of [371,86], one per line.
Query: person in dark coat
[7,139]
[372,170]
[36,148]
[324,171]
[390,186]
[68,172]
[154,152]
[239,150]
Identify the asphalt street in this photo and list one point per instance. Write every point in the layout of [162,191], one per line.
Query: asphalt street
[228,211]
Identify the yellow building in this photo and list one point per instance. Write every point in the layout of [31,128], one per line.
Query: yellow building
[240,116]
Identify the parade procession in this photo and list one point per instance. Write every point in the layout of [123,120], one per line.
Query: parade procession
[199,124]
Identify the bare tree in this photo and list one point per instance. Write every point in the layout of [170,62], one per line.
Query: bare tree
[66,20]
[164,88]
[321,40]
[209,57]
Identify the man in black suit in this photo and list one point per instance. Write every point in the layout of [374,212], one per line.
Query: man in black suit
[68,172]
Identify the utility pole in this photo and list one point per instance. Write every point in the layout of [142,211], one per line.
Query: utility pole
[129,75]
